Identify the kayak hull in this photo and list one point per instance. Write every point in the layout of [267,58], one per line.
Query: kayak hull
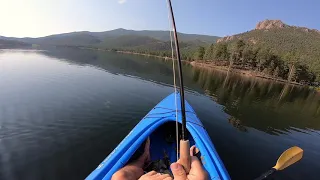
[157,125]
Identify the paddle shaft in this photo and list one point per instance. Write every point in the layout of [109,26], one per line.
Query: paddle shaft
[266,174]
[184,134]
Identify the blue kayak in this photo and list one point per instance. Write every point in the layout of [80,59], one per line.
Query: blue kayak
[159,124]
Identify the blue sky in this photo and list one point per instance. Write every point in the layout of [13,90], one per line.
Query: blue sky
[34,18]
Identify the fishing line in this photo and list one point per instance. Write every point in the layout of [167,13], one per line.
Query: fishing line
[174,80]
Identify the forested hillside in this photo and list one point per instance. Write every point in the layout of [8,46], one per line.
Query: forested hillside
[273,48]
[4,44]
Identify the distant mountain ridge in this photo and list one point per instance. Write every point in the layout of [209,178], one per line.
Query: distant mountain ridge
[145,41]
[86,37]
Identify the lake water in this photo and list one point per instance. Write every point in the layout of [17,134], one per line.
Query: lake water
[62,111]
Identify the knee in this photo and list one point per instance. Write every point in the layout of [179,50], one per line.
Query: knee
[120,175]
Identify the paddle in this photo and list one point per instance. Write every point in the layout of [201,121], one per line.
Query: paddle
[287,158]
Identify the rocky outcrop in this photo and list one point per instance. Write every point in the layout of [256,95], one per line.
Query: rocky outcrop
[307,30]
[253,40]
[271,24]
[225,39]
[316,31]
[267,25]
[278,24]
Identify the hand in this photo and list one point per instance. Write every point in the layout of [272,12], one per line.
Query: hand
[152,175]
[134,170]
[196,172]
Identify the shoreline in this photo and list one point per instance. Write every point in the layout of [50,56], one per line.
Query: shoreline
[133,53]
[208,65]
[241,72]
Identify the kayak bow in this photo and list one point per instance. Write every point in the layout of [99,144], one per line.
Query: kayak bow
[159,125]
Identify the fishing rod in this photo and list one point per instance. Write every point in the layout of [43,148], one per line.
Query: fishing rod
[184,142]
[183,110]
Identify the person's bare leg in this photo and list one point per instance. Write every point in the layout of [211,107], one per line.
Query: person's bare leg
[134,170]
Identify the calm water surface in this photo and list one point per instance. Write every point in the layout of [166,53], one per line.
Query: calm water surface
[62,111]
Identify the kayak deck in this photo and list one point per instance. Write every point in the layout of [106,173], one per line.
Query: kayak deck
[159,124]
[163,146]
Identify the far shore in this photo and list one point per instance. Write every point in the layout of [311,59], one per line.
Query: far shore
[247,73]
[208,65]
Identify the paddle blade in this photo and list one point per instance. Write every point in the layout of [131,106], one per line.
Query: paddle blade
[289,157]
